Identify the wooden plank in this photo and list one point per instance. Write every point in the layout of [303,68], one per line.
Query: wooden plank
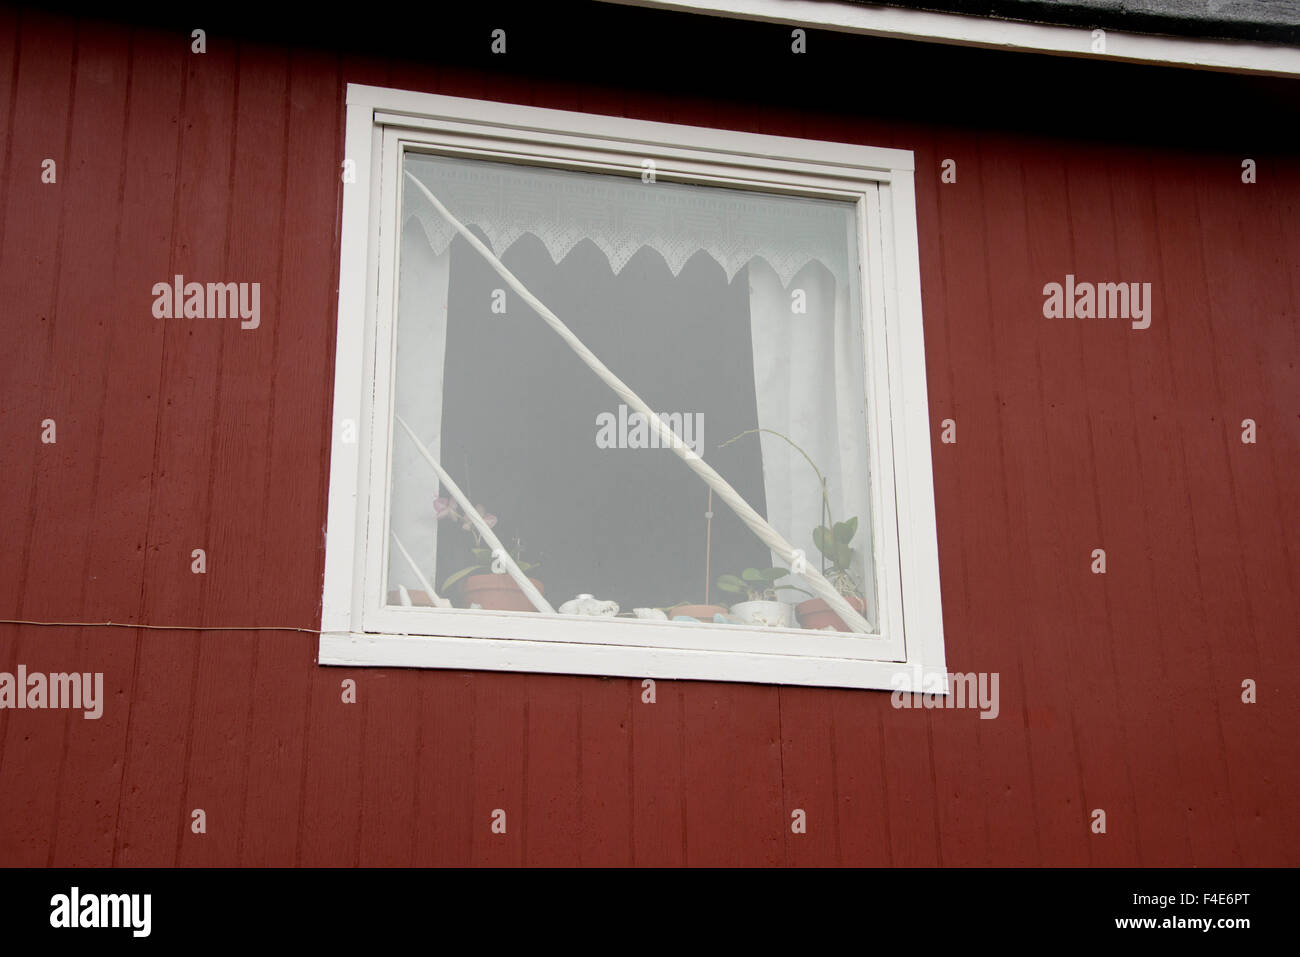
[237,585]
[40,101]
[1110,750]
[734,813]
[552,799]
[157,805]
[275,748]
[809,778]
[445,810]
[38,504]
[606,773]
[1279,655]
[63,570]
[1004,757]
[389,774]
[298,431]
[129,403]
[658,775]
[1149,667]
[1062,811]
[329,822]
[500,769]
[1248,291]
[861,793]
[1192,603]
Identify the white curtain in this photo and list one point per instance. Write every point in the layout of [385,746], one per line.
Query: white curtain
[808,383]
[421,346]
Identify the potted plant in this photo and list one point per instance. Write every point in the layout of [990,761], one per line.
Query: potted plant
[761,605]
[486,584]
[833,541]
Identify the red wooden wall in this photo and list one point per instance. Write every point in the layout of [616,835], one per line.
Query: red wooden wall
[1120,692]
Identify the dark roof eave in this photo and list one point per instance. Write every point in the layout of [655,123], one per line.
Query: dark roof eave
[1274,21]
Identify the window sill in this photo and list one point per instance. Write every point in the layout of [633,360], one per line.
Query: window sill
[585,658]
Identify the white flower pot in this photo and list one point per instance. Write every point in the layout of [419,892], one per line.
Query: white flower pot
[766,614]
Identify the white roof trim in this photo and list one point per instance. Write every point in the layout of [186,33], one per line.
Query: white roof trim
[1233,56]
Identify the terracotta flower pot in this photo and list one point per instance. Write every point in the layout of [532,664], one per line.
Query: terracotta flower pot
[702,612]
[497,592]
[815,615]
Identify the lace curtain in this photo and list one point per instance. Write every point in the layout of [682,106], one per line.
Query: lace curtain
[622,214]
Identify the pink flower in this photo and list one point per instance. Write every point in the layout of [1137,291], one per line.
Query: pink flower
[443,507]
[490,520]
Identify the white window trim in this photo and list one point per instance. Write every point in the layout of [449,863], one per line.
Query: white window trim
[356,628]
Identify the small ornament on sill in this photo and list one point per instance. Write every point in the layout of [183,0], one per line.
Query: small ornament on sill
[651,614]
[589,605]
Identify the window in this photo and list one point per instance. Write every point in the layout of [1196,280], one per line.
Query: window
[627,398]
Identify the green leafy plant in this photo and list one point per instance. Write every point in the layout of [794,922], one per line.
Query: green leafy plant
[833,538]
[833,542]
[757,584]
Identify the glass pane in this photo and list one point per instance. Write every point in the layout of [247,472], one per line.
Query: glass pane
[733,314]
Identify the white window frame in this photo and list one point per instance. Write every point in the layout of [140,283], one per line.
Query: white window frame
[358,628]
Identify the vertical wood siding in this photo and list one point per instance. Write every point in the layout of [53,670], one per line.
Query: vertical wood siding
[1120,692]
